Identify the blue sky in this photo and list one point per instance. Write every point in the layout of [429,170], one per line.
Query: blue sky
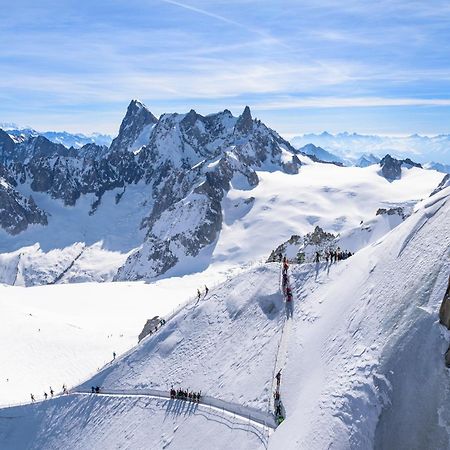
[303,66]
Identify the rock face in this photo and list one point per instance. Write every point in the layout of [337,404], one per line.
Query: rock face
[6,147]
[391,168]
[444,312]
[189,162]
[149,327]
[135,128]
[17,212]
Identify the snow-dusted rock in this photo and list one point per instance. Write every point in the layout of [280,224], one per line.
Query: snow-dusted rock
[17,212]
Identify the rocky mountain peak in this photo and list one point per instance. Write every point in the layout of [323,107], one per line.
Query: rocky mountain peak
[391,168]
[135,128]
[6,146]
[244,123]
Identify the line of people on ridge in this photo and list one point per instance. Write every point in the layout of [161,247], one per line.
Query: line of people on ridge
[185,395]
[285,281]
[279,416]
[52,393]
[333,255]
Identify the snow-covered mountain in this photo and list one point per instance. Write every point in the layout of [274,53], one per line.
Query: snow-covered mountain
[170,195]
[75,140]
[320,154]
[351,146]
[362,360]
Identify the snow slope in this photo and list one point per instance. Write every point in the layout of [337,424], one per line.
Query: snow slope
[62,333]
[365,366]
[362,360]
[335,198]
[210,345]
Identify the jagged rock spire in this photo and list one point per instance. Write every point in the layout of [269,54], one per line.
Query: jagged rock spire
[138,116]
[244,123]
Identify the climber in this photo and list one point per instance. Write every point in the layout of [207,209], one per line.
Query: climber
[317,259]
[285,266]
[278,378]
[199,294]
[45,395]
[92,389]
[51,391]
[32,398]
[278,410]
[288,294]
[97,389]
[114,356]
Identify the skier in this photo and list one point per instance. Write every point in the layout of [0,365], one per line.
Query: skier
[32,398]
[278,377]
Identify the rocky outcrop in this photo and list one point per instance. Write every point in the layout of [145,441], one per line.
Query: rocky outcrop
[444,312]
[17,212]
[149,327]
[391,168]
[398,210]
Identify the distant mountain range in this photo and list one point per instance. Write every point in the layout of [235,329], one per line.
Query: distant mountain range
[76,140]
[348,147]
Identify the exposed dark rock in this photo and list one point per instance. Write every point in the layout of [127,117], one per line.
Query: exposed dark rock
[244,124]
[444,311]
[391,168]
[6,147]
[149,327]
[137,120]
[392,211]
[17,212]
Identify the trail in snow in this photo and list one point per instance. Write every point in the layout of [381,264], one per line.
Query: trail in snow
[244,412]
[281,355]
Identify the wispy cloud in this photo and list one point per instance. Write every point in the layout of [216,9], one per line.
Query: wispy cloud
[296,62]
